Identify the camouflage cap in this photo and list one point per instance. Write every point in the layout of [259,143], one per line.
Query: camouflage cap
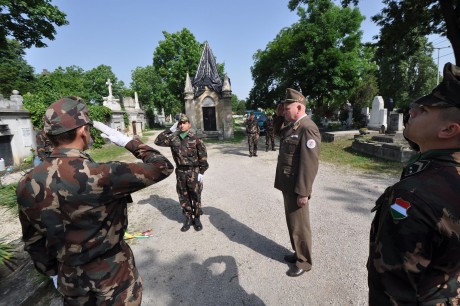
[183,118]
[293,95]
[447,93]
[64,115]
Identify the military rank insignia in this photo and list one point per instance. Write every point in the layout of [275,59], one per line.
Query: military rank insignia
[399,209]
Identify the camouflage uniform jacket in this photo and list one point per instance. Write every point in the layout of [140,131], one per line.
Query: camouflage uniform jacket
[189,151]
[44,145]
[414,256]
[252,127]
[268,124]
[74,210]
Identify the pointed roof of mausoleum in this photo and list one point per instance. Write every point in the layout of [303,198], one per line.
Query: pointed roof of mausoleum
[206,74]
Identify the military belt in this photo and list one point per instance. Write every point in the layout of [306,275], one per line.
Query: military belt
[186,167]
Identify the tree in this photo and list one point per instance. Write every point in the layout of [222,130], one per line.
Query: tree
[411,19]
[29,22]
[143,80]
[15,73]
[405,79]
[94,81]
[320,55]
[176,55]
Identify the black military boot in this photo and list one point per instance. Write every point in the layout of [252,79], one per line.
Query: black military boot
[197,224]
[266,149]
[187,223]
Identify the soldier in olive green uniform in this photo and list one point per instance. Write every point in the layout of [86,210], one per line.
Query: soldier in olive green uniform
[189,153]
[296,170]
[73,210]
[269,133]
[414,251]
[253,132]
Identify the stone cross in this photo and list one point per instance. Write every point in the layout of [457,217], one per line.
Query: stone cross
[110,87]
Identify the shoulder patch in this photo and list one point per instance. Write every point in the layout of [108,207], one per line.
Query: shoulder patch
[311,143]
[399,209]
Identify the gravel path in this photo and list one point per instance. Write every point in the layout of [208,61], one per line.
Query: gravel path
[237,259]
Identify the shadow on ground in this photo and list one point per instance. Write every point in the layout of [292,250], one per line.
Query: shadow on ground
[230,227]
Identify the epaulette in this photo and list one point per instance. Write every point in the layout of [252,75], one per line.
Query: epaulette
[416,167]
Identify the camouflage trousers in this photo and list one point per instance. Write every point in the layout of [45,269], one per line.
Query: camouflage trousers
[105,281]
[252,141]
[189,191]
[269,139]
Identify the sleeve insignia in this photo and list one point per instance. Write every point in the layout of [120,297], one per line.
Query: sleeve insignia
[399,209]
[311,143]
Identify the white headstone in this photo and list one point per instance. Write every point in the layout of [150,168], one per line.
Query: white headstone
[378,116]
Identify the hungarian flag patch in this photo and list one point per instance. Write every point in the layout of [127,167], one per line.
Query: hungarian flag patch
[399,209]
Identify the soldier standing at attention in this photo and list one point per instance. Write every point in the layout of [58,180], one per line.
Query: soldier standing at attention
[253,131]
[189,153]
[414,250]
[296,170]
[73,210]
[269,133]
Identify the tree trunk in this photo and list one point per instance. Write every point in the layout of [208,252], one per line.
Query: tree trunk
[450,12]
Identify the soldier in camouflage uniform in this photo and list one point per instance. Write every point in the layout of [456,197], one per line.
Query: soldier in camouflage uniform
[44,147]
[269,133]
[73,210]
[414,251]
[253,132]
[189,153]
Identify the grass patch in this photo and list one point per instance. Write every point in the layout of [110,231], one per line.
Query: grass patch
[107,153]
[8,198]
[238,136]
[339,152]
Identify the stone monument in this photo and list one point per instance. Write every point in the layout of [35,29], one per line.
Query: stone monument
[110,101]
[378,116]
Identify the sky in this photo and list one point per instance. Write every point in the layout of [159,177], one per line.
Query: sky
[124,34]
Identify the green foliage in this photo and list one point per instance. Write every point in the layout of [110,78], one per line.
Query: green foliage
[102,114]
[15,73]
[29,22]
[8,197]
[94,83]
[406,78]
[178,54]
[6,255]
[321,55]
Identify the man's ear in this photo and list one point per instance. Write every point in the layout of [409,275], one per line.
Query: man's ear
[450,130]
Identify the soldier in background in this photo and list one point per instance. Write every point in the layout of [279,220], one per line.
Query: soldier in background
[269,133]
[190,155]
[253,132]
[73,210]
[44,147]
[414,250]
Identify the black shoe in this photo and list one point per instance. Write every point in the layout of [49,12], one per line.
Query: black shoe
[295,271]
[290,258]
[197,224]
[266,150]
[255,154]
[187,224]
[250,154]
[273,149]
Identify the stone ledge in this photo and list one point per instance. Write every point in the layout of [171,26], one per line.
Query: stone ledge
[384,151]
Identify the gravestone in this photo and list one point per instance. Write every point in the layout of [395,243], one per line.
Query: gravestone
[110,101]
[378,115]
[396,122]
